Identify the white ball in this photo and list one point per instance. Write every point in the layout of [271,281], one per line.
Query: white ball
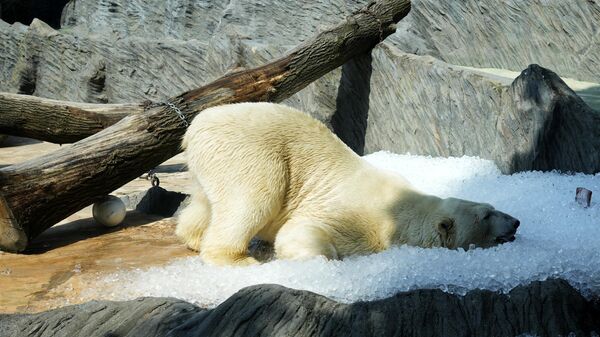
[109,212]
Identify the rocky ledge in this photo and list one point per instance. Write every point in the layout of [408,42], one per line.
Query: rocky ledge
[542,308]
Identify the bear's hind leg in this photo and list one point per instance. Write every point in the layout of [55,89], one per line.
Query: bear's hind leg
[233,225]
[194,219]
[246,182]
[301,239]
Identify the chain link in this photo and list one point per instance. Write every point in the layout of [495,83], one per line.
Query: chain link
[153,177]
[178,112]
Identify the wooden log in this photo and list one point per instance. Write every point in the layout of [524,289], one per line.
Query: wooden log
[58,121]
[42,191]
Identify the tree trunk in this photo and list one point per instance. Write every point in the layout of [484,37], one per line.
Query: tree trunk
[40,192]
[58,121]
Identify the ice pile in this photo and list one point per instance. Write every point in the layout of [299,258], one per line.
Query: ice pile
[557,238]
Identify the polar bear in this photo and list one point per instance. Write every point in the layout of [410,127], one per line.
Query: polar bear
[269,171]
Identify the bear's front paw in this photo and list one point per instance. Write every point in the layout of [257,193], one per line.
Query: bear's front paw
[247,261]
[228,259]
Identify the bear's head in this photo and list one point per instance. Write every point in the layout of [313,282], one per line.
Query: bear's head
[462,223]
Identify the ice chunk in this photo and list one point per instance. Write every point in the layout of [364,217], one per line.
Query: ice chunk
[557,238]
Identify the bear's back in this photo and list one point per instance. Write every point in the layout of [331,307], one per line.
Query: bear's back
[257,138]
[256,118]
[276,126]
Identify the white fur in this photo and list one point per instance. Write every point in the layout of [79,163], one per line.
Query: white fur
[270,171]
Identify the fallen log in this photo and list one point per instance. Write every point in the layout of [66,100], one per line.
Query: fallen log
[58,121]
[36,194]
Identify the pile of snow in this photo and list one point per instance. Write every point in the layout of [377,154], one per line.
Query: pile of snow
[557,238]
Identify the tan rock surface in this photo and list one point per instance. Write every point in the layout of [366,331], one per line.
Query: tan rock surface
[70,256]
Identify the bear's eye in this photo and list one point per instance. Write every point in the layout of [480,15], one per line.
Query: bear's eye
[447,224]
[487,216]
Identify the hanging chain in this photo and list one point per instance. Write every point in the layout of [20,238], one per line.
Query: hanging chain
[178,112]
[153,177]
[149,105]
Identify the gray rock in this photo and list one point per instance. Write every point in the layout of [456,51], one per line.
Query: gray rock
[534,123]
[548,308]
[511,34]
[561,35]
[156,200]
[142,317]
[268,22]
[123,51]
[60,65]
[564,131]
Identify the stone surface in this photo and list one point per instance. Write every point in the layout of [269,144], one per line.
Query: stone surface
[117,51]
[122,51]
[548,308]
[145,317]
[563,131]
[69,257]
[561,35]
[535,122]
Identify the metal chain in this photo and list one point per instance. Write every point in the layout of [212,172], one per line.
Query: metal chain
[153,177]
[149,105]
[178,112]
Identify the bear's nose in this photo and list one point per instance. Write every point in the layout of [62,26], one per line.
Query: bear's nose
[516,224]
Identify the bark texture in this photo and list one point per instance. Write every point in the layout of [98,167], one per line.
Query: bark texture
[548,308]
[43,191]
[58,121]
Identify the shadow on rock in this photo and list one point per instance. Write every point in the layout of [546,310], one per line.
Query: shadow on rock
[83,229]
[352,103]
[563,132]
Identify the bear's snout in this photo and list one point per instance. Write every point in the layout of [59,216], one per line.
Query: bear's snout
[508,228]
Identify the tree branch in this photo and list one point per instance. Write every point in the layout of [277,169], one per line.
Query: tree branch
[58,121]
[42,191]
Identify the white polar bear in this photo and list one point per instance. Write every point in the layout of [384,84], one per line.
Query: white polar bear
[271,171]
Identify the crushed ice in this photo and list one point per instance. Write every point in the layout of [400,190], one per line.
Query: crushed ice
[557,238]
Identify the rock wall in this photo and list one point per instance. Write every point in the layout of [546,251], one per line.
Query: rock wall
[123,51]
[55,64]
[549,308]
[267,22]
[405,96]
[533,123]
[561,35]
